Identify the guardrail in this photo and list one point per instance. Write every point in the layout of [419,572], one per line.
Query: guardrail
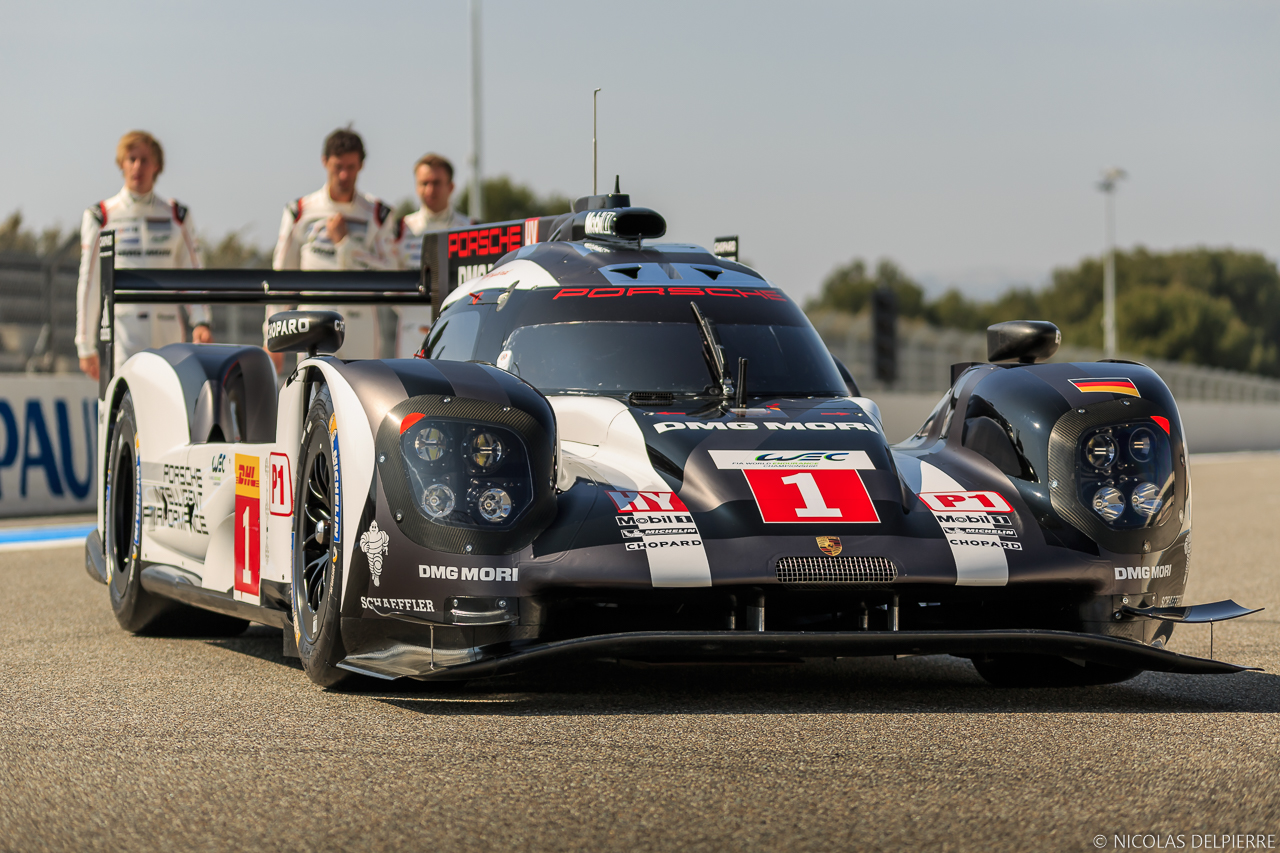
[926,353]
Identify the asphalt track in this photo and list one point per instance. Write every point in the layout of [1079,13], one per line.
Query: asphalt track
[114,742]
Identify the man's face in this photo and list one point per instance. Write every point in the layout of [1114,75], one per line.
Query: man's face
[343,169]
[140,168]
[434,187]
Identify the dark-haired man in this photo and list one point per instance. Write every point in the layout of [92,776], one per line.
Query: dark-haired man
[433,181]
[338,228]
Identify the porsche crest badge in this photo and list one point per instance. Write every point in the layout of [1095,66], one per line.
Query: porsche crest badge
[829,545]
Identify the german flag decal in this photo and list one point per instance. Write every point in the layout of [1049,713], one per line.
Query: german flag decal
[1106,386]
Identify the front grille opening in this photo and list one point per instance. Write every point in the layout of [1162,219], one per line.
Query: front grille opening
[835,570]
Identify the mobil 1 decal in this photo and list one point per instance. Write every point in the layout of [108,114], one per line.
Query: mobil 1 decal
[804,486]
[978,526]
[659,524]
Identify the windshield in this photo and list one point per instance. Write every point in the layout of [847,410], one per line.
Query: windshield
[623,357]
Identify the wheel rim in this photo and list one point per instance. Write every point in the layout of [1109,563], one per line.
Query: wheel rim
[122,506]
[317,528]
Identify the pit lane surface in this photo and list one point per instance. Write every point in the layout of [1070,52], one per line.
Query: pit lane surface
[113,742]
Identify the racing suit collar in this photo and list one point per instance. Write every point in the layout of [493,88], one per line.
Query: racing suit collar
[136,198]
[443,217]
[355,196]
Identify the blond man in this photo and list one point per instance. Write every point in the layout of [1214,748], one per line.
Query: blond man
[433,182]
[151,233]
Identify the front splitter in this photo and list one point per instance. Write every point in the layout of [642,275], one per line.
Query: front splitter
[771,646]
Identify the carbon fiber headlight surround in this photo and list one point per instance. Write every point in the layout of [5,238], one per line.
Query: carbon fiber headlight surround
[1121,477]
[443,460]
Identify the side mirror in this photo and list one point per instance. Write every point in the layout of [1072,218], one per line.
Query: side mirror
[1028,341]
[311,332]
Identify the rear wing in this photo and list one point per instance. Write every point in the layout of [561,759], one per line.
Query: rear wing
[259,287]
[448,259]
[451,257]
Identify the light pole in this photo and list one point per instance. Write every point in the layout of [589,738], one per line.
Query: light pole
[476,201]
[1110,178]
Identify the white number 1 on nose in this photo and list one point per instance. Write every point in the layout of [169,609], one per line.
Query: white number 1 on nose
[248,578]
[814,505]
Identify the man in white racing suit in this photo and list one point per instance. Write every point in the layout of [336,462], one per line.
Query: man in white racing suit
[338,228]
[433,180]
[151,233]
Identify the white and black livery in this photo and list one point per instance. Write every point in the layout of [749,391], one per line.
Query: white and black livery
[615,448]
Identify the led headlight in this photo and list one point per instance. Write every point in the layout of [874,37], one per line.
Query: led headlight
[1146,499]
[1108,503]
[470,475]
[429,443]
[437,500]
[494,505]
[1100,451]
[1142,444]
[1124,473]
[486,450]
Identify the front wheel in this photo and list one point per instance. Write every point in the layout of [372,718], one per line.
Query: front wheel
[317,570]
[1047,671]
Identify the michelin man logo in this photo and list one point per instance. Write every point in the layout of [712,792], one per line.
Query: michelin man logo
[374,544]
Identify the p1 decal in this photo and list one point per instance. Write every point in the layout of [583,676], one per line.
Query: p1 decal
[966,502]
[647,502]
[248,550]
[281,494]
[800,486]
[1116,385]
[978,549]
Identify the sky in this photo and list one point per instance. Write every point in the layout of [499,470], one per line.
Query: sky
[963,140]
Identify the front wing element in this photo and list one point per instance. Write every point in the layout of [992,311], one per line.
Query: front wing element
[769,646]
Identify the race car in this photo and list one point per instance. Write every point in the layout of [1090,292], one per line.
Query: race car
[616,448]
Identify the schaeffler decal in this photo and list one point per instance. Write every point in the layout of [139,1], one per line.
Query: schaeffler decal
[387,606]
[374,544]
[799,486]
[1116,385]
[829,545]
[976,526]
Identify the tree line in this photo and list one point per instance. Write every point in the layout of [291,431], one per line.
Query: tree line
[1215,307]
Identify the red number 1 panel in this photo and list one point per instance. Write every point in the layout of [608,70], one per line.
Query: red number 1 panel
[796,487]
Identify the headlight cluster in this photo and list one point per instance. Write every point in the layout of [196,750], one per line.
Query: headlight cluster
[463,474]
[1126,474]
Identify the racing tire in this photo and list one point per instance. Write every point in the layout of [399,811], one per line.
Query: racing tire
[317,571]
[1047,671]
[137,610]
